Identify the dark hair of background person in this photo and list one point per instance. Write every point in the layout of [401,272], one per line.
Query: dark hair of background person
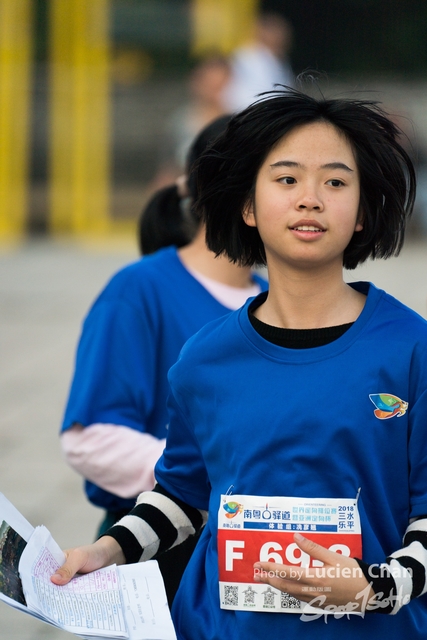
[227,172]
[169,218]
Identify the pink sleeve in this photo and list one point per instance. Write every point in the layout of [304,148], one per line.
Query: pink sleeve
[116,458]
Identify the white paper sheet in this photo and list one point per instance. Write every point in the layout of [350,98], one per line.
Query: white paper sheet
[114,602]
[90,604]
[145,603]
[11,520]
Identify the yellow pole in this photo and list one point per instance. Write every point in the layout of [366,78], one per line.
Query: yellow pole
[15,91]
[222,25]
[80,116]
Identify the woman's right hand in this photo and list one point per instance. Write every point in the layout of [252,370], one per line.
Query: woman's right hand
[102,553]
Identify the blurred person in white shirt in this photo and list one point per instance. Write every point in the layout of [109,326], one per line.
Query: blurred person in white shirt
[261,64]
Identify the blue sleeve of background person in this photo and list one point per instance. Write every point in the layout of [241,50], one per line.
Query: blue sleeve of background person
[131,337]
[111,382]
[116,376]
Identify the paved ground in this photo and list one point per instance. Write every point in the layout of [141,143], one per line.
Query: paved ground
[45,289]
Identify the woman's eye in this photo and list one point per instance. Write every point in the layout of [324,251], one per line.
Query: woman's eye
[335,183]
[287,180]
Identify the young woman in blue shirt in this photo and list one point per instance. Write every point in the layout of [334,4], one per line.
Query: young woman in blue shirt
[317,389]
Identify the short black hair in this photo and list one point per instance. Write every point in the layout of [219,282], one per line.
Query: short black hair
[200,145]
[226,174]
[162,222]
[168,218]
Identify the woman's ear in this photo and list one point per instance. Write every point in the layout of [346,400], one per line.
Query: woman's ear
[359,221]
[248,213]
[182,186]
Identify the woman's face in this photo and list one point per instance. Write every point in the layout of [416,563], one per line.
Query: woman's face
[306,203]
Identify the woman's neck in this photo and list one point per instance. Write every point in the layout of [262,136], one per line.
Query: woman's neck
[310,300]
[198,257]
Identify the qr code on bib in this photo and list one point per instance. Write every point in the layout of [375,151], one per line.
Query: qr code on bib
[231,596]
[288,602]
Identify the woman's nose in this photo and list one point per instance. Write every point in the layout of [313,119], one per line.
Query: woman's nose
[310,200]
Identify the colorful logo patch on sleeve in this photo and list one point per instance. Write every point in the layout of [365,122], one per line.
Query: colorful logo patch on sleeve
[387,405]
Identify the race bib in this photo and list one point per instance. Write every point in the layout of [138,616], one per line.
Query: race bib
[261,529]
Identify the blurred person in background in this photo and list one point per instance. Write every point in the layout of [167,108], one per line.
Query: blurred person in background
[115,424]
[258,66]
[206,85]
